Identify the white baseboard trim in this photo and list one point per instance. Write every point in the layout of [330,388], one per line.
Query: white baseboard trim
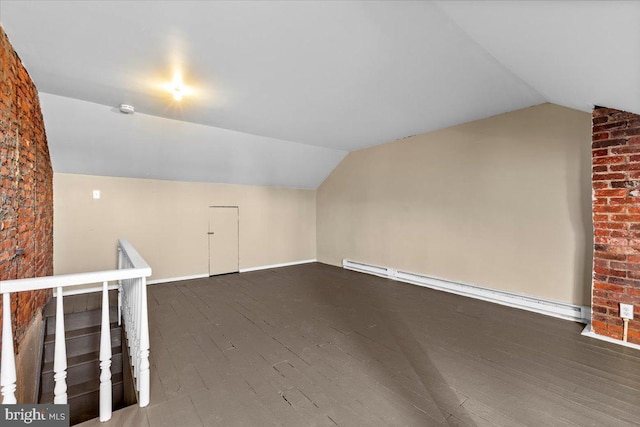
[588,332]
[176,279]
[285,264]
[242,270]
[558,309]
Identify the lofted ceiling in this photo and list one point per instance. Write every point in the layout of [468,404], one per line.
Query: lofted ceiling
[283,90]
[574,53]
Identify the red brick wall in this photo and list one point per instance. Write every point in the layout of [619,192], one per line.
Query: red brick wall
[616,220]
[26,188]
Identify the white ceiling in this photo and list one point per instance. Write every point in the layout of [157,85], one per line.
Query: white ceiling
[575,53]
[287,75]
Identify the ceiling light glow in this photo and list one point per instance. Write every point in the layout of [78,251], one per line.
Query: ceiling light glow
[177,93]
[177,88]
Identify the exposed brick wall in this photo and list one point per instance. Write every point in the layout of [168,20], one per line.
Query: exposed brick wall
[26,188]
[616,220]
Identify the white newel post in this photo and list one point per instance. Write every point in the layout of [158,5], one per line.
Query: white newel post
[135,329]
[105,358]
[119,287]
[60,354]
[143,377]
[8,370]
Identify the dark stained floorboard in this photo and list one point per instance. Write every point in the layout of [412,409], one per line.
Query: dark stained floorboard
[315,345]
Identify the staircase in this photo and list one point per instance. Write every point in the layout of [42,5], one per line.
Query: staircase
[82,320]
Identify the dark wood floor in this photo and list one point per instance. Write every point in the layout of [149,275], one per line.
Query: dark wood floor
[315,345]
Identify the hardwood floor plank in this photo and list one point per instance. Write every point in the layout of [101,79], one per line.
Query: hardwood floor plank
[315,345]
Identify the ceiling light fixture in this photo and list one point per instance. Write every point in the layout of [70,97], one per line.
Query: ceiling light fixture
[177,93]
[177,88]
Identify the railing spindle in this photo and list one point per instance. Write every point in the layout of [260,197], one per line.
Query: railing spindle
[60,354]
[143,378]
[119,288]
[8,369]
[105,358]
[135,323]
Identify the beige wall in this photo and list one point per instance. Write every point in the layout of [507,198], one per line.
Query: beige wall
[167,223]
[502,202]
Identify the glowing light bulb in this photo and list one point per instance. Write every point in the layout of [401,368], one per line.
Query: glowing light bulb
[177,93]
[177,87]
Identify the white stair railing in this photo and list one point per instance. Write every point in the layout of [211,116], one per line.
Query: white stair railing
[60,354]
[130,278]
[133,293]
[105,358]
[8,368]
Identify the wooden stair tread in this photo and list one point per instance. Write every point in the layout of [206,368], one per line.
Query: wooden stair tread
[81,342]
[80,373]
[87,406]
[81,303]
[47,367]
[81,319]
[82,389]
[76,333]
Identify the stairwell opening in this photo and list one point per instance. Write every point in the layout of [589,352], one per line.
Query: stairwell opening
[82,319]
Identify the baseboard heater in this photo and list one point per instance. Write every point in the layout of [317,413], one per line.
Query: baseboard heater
[561,310]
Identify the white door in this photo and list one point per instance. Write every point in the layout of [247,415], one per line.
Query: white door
[223,240]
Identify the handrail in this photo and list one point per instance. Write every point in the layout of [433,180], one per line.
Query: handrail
[140,269]
[68,280]
[134,256]
[131,277]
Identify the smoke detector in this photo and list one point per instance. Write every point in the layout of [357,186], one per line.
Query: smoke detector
[126,109]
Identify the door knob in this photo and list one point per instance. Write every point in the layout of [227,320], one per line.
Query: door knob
[211,232]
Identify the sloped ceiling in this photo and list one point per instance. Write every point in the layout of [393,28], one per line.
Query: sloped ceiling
[575,53]
[94,139]
[283,90]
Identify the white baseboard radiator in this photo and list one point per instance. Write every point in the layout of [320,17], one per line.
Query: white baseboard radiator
[561,310]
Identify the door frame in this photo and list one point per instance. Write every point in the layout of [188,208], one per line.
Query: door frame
[209,233]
